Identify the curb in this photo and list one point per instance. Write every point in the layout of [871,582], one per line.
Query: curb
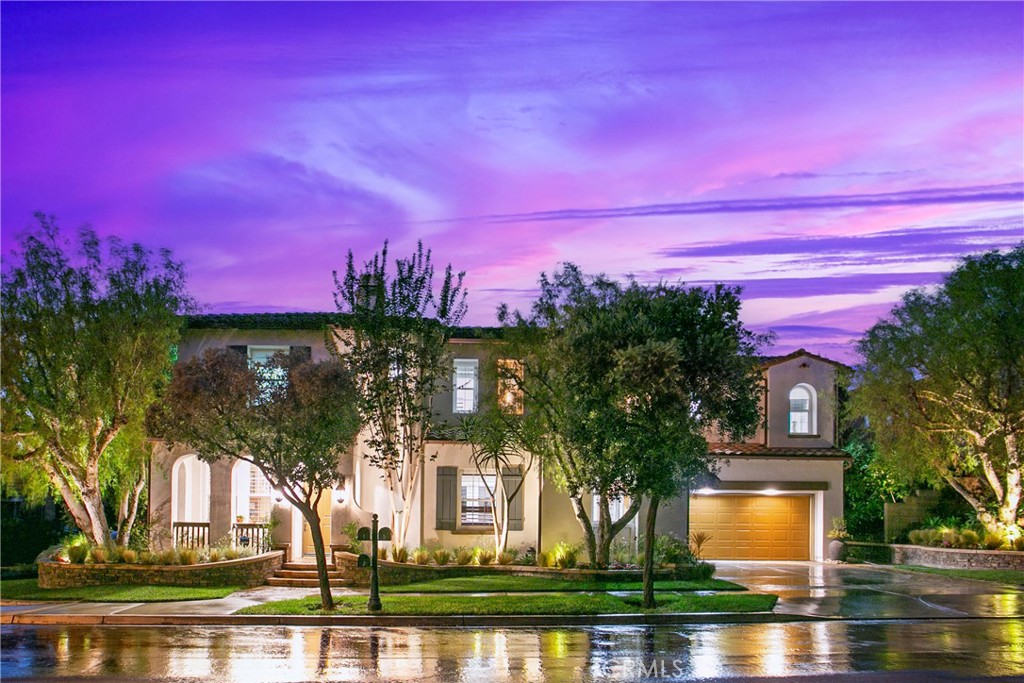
[390,621]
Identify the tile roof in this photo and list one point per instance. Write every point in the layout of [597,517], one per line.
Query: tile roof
[777,451]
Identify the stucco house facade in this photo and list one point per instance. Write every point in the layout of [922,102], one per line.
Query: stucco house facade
[774,497]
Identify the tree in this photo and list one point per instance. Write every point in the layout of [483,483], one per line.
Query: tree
[500,442]
[626,381]
[942,385]
[87,336]
[293,429]
[397,348]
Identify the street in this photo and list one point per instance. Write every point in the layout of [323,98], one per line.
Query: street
[922,650]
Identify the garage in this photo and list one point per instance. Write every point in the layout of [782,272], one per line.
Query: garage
[746,527]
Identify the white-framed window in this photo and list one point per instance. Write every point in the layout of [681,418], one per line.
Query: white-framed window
[464,385]
[802,410]
[253,500]
[616,508]
[270,376]
[475,502]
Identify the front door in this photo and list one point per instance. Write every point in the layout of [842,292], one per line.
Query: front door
[324,509]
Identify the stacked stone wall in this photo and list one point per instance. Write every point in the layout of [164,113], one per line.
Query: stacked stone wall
[246,571]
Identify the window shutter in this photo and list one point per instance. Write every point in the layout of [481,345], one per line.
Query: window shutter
[243,349]
[447,497]
[306,352]
[511,479]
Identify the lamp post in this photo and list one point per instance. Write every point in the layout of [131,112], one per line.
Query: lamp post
[373,535]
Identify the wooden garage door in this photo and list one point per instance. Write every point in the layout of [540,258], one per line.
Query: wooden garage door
[753,527]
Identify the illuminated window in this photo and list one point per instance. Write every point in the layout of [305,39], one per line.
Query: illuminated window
[476,500]
[270,375]
[510,396]
[802,416]
[464,383]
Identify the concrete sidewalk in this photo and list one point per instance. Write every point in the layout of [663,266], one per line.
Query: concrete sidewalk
[807,591]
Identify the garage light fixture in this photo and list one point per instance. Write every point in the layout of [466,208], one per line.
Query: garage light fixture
[771,492]
[705,491]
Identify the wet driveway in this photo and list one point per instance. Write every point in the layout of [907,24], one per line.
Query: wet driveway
[916,650]
[862,591]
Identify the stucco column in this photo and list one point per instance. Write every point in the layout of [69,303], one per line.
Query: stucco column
[220,500]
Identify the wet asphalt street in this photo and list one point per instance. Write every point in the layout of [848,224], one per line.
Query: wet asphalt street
[925,650]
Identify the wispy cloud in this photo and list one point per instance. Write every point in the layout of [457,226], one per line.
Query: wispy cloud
[1002,192]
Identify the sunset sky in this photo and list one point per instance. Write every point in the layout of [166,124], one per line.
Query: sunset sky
[826,157]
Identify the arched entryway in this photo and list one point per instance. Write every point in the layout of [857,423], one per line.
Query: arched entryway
[190,501]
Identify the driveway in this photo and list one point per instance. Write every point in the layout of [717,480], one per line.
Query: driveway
[864,591]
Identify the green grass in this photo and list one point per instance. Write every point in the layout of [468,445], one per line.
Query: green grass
[28,589]
[1010,576]
[548,603]
[531,584]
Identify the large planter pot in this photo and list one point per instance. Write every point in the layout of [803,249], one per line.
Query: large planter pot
[837,551]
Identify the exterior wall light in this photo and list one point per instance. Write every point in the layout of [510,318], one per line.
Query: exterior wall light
[706,491]
[771,492]
[340,494]
[278,496]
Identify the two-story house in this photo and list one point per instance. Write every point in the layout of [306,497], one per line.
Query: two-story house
[774,499]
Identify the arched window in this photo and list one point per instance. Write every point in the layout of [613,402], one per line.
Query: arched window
[802,410]
[190,490]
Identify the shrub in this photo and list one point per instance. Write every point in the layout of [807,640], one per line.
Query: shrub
[169,556]
[399,554]
[352,530]
[215,555]
[98,555]
[484,556]
[421,556]
[507,556]
[838,531]
[188,556]
[529,558]
[565,555]
[146,557]
[670,550]
[543,560]
[1018,543]
[950,538]
[698,539]
[77,554]
[622,553]
[700,571]
[442,557]
[463,556]
[993,541]
[970,538]
[232,553]
[130,556]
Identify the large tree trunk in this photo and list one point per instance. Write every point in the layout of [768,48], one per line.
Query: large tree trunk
[588,530]
[83,500]
[313,519]
[648,577]
[609,530]
[129,509]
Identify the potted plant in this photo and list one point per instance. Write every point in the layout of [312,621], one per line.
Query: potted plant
[837,550]
[239,518]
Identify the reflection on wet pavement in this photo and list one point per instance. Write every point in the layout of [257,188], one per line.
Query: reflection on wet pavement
[254,654]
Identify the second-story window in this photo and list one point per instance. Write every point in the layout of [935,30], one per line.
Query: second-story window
[464,385]
[801,410]
[270,376]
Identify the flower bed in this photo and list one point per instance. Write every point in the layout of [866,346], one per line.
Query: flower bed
[247,571]
[395,573]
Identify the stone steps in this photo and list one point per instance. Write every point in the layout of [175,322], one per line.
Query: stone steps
[303,575]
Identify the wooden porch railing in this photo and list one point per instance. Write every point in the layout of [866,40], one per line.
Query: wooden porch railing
[255,536]
[191,534]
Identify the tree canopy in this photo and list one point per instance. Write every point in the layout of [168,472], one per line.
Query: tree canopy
[942,385]
[397,348]
[294,430]
[88,332]
[628,380]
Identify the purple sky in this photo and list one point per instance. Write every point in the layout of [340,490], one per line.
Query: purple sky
[826,156]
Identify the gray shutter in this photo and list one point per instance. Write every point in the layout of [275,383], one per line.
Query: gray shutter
[243,349]
[305,351]
[511,479]
[447,497]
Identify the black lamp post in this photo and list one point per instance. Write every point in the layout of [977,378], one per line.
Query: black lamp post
[373,536]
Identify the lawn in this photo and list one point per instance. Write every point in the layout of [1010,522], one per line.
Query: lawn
[28,589]
[537,584]
[547,603]
[1010,576]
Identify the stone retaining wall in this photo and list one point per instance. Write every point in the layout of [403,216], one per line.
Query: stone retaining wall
[246,571]
[396,573]
[951,558]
